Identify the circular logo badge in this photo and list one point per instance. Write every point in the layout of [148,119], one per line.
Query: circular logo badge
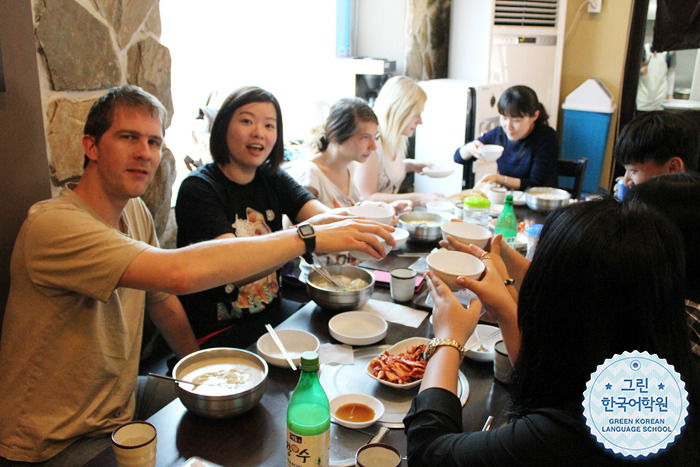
[635,404]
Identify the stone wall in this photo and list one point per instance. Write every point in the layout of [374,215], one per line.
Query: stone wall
[428,34]
[86,47]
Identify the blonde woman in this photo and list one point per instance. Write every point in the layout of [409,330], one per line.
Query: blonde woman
[398,107]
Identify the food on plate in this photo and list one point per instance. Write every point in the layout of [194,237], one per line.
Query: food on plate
[522,225]
[224,378]
[348,282]
[466,194]
[355,412]
[403,368]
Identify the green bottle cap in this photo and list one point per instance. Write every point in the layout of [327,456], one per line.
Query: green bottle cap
[477,202]
[509,199]
[309,361]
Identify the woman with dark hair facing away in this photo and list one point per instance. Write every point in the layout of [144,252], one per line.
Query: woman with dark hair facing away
[530,146]
[244,193]
[677,196]
[581,302]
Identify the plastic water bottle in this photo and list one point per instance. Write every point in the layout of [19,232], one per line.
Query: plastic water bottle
[507,223]
[308,418]
[533,236]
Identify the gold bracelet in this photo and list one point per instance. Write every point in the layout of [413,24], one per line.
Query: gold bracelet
[435,343]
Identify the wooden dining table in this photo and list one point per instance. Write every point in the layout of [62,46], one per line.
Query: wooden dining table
[258,437]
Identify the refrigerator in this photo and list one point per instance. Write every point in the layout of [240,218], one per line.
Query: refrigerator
[456,112]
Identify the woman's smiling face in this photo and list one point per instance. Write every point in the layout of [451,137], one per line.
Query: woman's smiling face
[252,134]
[517,128]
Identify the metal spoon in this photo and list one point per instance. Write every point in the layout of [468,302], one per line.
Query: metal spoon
[177,380]
[325,274]
[481,347]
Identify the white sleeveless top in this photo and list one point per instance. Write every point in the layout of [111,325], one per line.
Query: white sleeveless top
[391,173]
[309,175]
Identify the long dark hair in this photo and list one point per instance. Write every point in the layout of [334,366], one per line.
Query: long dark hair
[606,278]
[522,101]
[677,196]
[238,98]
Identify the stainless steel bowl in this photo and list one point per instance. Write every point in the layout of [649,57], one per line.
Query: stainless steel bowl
[220,406]
[545,199]
[422,226]
[340,300]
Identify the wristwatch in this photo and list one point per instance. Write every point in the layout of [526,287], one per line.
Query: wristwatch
[307,233]
[435,343]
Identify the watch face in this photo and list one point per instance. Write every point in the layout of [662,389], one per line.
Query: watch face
[306,230]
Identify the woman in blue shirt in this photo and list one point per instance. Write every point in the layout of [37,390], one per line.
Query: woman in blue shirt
[530,145]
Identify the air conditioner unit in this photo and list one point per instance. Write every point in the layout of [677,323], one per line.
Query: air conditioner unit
[510,42]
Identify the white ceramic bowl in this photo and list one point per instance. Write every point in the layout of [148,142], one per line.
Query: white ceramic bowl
[450,264]
[467,233]
[400,347]
[294,340]
[440,206]
[491,152]
[362,256]
[438,171]
[400,236]
[484,331]
[357,328]
[379,214]
[343,399]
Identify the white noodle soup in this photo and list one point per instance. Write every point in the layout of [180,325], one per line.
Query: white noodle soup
[349,283]
[224,377]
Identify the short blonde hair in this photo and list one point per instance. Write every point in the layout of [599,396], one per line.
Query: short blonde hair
[399,101]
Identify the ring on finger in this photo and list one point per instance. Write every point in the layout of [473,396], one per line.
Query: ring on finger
[484,256]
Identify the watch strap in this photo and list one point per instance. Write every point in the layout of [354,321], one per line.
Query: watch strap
[309,241]
[435,343]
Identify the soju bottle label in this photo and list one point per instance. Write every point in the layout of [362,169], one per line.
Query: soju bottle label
[308,451]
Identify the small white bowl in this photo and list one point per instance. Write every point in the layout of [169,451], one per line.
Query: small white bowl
[450,264]
[295,341]
[438,171]
[484,331]
[343,399]
[357,328]
[400,236]
[398,348]
[440,206]
[379,214]
[362,256]
[491,152]
[467,233]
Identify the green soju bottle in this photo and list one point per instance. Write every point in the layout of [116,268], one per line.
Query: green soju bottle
[507,223]
[308,419]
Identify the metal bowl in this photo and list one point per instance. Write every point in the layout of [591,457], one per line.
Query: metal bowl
[545,199]
[340,300]
[422,226]
[219,406]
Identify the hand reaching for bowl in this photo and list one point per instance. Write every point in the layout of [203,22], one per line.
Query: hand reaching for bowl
[354,234]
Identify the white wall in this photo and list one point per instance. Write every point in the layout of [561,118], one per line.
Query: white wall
[380,30]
